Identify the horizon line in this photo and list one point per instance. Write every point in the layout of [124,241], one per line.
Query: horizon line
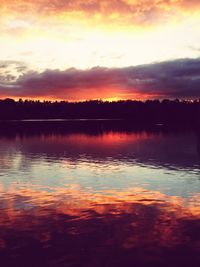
[100,100]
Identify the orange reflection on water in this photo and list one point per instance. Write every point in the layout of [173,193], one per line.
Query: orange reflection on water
[106,138]
[125,220]
[72,200]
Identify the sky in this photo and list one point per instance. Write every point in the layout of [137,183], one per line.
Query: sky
[99,49]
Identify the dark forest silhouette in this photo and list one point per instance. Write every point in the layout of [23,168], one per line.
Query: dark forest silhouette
[150,111]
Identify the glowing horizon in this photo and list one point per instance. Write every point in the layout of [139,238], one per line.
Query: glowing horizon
[41,35]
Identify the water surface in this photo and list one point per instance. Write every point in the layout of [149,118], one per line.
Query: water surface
[99,196]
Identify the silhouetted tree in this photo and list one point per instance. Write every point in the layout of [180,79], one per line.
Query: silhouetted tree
[150,111]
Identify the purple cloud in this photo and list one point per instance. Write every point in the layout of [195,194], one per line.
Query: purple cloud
[179,78]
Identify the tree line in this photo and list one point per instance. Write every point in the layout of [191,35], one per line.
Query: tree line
[150,111]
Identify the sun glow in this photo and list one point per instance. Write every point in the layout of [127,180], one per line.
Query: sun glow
[83,35]
[64,42]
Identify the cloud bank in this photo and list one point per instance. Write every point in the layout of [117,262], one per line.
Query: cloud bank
[135,10]
[172,79]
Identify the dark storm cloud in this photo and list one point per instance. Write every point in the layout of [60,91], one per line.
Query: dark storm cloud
[179,78]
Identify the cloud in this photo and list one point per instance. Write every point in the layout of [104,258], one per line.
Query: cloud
[179,78]
[10,70]
[135,10]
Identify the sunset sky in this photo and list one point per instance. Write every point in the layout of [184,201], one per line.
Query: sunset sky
[99,49]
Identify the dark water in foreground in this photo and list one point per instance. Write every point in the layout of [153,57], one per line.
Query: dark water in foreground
[99,196]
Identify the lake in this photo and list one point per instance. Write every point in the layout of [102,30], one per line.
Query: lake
[99,194]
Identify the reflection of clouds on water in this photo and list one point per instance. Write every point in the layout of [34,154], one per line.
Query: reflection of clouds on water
[167,162]
[72,199]
[109,199]
[148,227]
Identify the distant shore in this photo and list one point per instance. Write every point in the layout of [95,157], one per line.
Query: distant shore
[138,112]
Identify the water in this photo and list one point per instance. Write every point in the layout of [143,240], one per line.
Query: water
[96,195]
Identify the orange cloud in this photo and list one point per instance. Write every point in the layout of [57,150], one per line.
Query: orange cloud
[116,11]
